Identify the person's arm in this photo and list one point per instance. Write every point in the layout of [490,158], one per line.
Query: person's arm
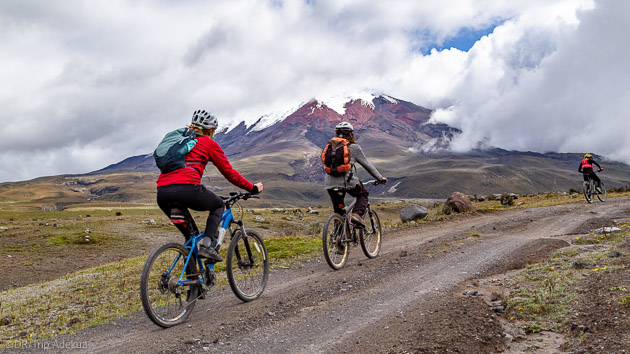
[359,157]
[580,167]
[218,158]
[598,166]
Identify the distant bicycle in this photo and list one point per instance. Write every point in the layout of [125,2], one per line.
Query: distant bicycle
[588,187]
[174,278]
[339,233]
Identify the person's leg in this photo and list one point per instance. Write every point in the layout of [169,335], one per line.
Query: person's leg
[598,182]
[165,200]
[206,200]
[337,196]
[360,205]
[361,195]
[198,198]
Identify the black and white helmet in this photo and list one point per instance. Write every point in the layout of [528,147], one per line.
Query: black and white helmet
[204,120]
[344,128]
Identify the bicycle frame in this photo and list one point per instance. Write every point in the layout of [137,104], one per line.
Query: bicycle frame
[227,219]
[191,244]
[350,233]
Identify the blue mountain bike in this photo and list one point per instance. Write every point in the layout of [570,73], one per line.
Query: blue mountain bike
[174,278]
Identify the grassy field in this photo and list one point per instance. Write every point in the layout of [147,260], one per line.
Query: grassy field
[96,253]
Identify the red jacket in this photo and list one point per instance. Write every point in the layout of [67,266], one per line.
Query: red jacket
[206,150]
[586,166]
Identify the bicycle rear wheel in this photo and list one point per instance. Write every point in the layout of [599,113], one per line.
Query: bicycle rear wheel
[586,189]
[165,302]
[335,251]
[370,236]
[247,265]
[604,194]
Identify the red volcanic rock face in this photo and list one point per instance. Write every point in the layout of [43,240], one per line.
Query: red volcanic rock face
[312,113]
[360,114]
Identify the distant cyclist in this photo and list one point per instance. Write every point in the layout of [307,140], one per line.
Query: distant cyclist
[183,186]
[586,167]
[339,157]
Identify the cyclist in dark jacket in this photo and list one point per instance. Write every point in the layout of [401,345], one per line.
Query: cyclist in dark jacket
[183,186]
[586,168]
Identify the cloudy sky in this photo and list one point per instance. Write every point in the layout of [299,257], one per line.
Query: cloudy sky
[84,84]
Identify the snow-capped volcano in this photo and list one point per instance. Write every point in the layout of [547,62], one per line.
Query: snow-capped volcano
[379,119]
[337,103]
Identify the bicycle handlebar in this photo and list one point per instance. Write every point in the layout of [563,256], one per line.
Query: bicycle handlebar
[234,196]
[374,182]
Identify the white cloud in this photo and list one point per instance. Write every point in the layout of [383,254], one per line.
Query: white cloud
[84,85]
[548,85]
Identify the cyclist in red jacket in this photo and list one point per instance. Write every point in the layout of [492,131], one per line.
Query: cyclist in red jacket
[586,167]
[183,186]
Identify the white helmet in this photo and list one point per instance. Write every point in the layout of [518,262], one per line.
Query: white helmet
[344,128]
[204,120]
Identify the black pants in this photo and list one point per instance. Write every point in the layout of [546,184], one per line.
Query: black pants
[195,197]
[589,173]
[338,194]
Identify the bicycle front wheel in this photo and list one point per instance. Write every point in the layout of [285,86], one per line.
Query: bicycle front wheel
[586,189]
[335,250]
[603,195]
[370,236]
[166,302]
[247,265]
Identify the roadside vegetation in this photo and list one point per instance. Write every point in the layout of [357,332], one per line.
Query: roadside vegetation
[80,267]
[590,277]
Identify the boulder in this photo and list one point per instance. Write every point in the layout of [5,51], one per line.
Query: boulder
[494,197]
[508,198]
[457,202]
[413,212]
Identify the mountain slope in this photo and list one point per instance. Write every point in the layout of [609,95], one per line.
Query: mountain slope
[397,137]
[392,121]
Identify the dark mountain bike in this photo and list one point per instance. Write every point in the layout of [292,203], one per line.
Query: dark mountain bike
[174,278]
[340,233]
[590,192]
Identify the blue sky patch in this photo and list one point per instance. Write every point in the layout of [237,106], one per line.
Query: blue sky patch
[465,38]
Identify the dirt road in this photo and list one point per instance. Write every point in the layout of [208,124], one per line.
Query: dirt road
[377,305]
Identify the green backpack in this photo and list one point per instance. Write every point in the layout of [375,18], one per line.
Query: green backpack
[170,153]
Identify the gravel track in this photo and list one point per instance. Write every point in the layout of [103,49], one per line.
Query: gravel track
[369,305]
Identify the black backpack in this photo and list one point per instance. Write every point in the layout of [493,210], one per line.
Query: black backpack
[170,153]
[336,157]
